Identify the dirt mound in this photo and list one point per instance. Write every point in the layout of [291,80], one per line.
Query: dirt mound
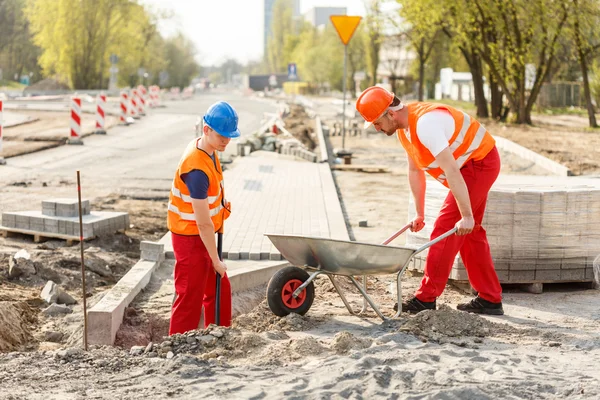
[344,341]
[299,124]
[139,328]
[262,319]
[47,84]
[16,320]
[446,322]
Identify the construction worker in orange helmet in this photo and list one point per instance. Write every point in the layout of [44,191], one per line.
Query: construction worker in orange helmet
[460,153]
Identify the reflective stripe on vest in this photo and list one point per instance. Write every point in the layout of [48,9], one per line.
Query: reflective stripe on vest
[181,219]
[177,193]
[187,199]
[182,215]
[470,140]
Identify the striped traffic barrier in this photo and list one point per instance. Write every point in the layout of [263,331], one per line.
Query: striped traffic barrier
[124,108]
[133,106]
[75,135]
[2,160]
[100,114]
[153,98]
[140,100]
[156,96]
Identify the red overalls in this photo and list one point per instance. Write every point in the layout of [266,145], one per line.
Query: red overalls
[194,274]
[475,152]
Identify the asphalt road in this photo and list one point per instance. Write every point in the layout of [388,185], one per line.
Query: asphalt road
[139,159]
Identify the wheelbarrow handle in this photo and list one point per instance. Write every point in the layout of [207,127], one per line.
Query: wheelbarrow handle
[395,235]
[437,239]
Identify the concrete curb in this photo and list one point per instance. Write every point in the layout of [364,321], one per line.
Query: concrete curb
[21,123]
[104,319]
[323,156]
[537,159]
[335,215]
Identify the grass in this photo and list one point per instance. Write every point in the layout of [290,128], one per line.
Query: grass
[10,85]
[560,111]
[470,108]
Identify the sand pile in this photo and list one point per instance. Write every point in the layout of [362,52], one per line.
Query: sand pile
[16,320]
[447,322]
[262,319]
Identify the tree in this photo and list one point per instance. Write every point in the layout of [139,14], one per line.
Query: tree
[512,34]
[75,36]
[18,54]
[374,36]
[282,32]
[182,66]
[356,57]
[583,26]
[424,17]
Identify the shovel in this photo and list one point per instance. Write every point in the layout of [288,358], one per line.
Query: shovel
[218,287]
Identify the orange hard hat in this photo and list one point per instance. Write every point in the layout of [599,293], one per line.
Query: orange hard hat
[372,104]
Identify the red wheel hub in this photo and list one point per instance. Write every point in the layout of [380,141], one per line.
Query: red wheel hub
[287,294]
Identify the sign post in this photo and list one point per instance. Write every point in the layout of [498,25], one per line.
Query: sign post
[345,25]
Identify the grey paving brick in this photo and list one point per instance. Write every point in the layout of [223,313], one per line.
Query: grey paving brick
[572,274]
[523,265]
[50,225]
[9,220]
[547,275]
[521,276]
[22,222]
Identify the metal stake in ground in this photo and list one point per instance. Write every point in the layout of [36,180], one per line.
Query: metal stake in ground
[2,161]
[85,326]
[218,284]
[345,25]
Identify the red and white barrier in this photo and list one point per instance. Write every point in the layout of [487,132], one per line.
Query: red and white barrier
[175,91]
[140,100]
[75,136]
[188,92]
[133,106]
[2,161]
[124,108]
[153,96]
[100,114]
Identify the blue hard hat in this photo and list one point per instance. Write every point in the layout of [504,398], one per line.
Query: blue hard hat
[223,119]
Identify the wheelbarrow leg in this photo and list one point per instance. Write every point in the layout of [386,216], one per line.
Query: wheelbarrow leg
[339,291]
[364,280]
[368,299]
[306,283]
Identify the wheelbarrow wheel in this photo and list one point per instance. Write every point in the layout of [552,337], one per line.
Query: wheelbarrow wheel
[281,287]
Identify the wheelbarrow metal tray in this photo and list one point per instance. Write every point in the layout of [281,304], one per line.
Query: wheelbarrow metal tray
[341,257]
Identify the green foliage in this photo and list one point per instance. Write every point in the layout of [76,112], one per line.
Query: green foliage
[18,54]
[77,38]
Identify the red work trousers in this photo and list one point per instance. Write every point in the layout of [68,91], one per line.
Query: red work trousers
[195,286]
[474,248]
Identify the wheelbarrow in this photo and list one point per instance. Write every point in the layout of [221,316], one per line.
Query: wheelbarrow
[291,289]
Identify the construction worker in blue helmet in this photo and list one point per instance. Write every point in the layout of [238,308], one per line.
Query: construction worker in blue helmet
[197,210]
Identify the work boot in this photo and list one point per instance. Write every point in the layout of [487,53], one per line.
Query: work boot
[481,306]
[415,305]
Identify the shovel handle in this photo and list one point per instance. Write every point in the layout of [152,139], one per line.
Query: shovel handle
[395,235]
[218,280]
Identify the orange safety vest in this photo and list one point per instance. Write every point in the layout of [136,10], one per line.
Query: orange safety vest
[181,219]
[470,141]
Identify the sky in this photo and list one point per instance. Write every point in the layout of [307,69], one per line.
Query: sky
[223,29]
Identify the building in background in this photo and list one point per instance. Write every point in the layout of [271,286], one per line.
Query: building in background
[268,16]
[319,16]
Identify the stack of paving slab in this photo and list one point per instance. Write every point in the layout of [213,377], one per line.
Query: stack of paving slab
[60,218]
[539,229]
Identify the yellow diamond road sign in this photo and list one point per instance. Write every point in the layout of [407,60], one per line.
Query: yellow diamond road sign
[345,25]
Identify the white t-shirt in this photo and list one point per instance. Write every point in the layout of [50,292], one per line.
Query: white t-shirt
[435,129]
